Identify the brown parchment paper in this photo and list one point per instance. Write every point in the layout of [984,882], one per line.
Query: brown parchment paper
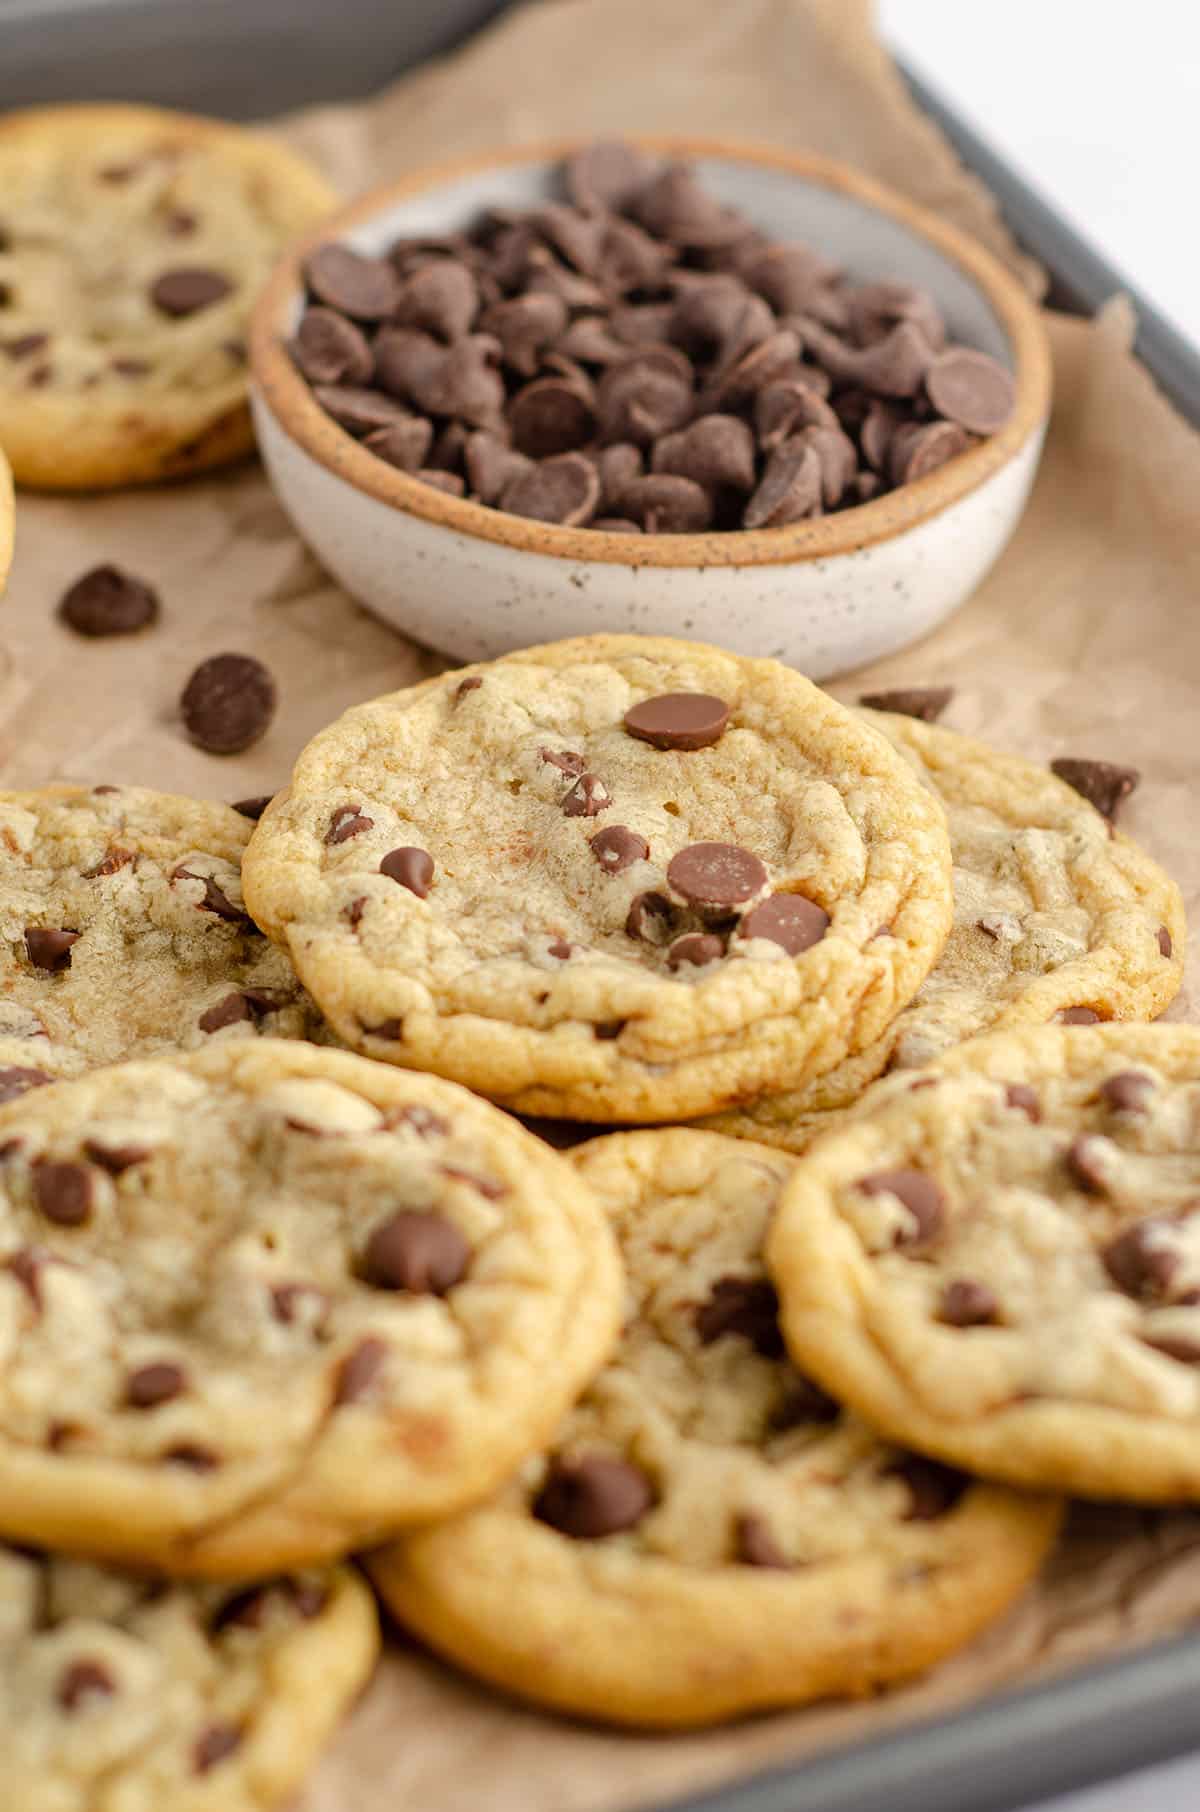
[1085,640]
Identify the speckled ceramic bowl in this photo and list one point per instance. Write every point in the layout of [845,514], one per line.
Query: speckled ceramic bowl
[824,595]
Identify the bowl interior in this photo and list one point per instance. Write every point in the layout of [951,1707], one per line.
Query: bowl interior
[870,244]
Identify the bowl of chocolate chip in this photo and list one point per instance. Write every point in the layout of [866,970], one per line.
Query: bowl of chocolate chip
[655,386]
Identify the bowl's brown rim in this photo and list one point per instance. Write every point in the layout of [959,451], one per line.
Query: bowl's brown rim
[290,401]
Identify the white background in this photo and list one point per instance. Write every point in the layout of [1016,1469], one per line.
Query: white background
[1097,105]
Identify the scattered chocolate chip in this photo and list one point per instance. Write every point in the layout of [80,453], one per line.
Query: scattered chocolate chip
[63,1192]
[649,917]
[1102,783]
[1165,946]
[709,875]
[107,601]
[230,1011]
[115,1158]
[1078,1016]
[1140,1261]
[803,1404]
[934,1489]
[1127,1092]
[923,702]
[412,868]
[329,349]
[919,1194]
[754,1544]
[16,1079]
[616,848]
[85,1679]
[695,948]
[971,389]
[593,1496]
[587,798]
[50,948]
[151,1385]
[228,703]
[253,808]
[789,920]
[215,900]
[565,490]
[213,1746]
[567,761]
[366,289]
[348,821]
[1024,1099]
[358,1371]
[421,1253]
[678,720]
[966,1303]
[182,292]
[747,1307]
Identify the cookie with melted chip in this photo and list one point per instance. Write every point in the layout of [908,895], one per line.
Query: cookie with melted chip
[613,878]
[709,1534]
[1055,914]
[122,1695]
[264,1304]
[999,1262]
[132,245]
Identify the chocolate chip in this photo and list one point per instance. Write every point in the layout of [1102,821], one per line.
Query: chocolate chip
[560,949]
[291,1302]
[790,488]
[1077,1016]
[181,223]
[1024,1099]
[1128,1092]
[1102,783]
[85,1679]
[925,703]
[971,389]
[367,289]
[803,1405]
[64,1193]
[421,1253]
[25,345]
[607,174]
[109,864]
[17,1080]
[744,1306]
[966,1303]
[709,875]
[1181,1347]
[678,720]
[649,917]
[228,703]
[663,505]
[565,489]
[442,296]
[934,1489]
[27,1264]
[1086,1159]
[362,411]
[616,848]
[587,798]
[695,948]
[115,1158]
[754,1544]
[1165,946]
[230,1011]
[348,821]
[1139,1262]
[151,1385]
[185,292]
[593,1496]
[213,1746]
[404,444]
[550,416]
[525,326]
[131,368]
[215,900]
[192,1456]
[567,761]
[358,1371]
[449,482]
[329,349]
[412,868]
[253,808]
[644,397]
[492,465]
[715,451]
[50,948]
[471,684]
[920,1195]
[107,601]
[789,920]
[918,449]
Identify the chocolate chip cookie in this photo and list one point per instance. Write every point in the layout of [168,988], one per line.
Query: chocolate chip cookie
[132,244]
[999,1262]
[264,1304]
[611,878]
[1054,914]
[121,1695]
[709,1534]
[122,927]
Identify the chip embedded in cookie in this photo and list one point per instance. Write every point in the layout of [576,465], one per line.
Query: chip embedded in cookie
[999,1263]
[615,878]
[268,1303]
[709,1533]
[123,1692]
[132,245]
[1054,913]
[124,931]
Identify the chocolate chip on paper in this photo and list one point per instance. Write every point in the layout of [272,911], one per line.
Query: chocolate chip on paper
[1104,784]
[107,601]
[924,702]
[228,703]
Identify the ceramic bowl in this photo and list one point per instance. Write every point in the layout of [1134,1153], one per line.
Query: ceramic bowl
[824,595]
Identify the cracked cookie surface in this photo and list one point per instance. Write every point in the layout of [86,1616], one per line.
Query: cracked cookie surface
[612,878]
[999,1262]
[1053,910]
[132,245]
[265,1303]
[709,1534]
[121,1695]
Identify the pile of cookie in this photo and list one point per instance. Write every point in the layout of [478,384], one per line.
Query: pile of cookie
[671,1170]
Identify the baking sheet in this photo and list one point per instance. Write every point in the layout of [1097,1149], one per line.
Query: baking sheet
[1085,640]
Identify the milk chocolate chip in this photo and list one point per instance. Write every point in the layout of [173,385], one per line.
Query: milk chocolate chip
[919,1194]
[418,1252]
[593,1496]
[228,703]
[678,720]
[716,875]
[107,601]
